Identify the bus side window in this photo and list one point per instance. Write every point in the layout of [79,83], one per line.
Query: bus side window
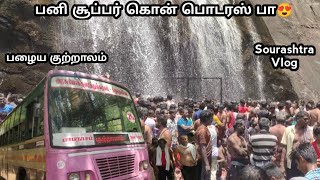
[10,124]
[6,138]
[22,124]
[15,134]
[10,138]
[26,118]
[28,132]
[38,129]
[22,130]
[15,121]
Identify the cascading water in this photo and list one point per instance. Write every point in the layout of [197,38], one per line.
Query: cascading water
[219,50]
[156,55]
[255,38]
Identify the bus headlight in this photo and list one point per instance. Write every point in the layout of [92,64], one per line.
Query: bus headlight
[74,176]
[87,176]
[143,165]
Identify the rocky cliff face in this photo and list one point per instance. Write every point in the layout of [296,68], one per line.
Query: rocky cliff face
[20,32]
[303,26]
[276,84]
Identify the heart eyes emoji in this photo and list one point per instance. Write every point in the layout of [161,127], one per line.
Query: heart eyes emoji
[284,10]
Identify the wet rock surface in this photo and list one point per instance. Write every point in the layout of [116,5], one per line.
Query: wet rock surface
[21,32]
[303,26]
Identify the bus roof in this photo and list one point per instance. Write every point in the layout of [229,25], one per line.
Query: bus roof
[84,75]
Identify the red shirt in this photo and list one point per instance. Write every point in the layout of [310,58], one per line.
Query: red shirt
[314,144]
[230,124]
[242,109]
[163,159]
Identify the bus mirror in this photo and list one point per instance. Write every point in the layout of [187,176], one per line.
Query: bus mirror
[37,109]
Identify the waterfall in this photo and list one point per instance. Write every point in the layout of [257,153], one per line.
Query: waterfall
[255,38]
[219,49]
[156,55]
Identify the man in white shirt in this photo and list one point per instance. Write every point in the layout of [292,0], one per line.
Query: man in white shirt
[151,122]
[215,150]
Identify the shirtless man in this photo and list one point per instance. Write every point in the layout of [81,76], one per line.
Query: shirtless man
[147,132]
[188,158]
[279,128]
[164,132]
[222,115]
[314,115]
[237,147]
[292,137]
[295,108]
[223,160]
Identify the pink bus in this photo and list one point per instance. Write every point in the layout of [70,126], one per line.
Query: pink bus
[74,126]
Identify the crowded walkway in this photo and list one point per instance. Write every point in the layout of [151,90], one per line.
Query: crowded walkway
[256,140]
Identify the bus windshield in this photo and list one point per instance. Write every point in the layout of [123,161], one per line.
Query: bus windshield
[85,112]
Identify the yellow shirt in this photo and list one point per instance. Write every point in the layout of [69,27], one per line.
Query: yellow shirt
[217,120]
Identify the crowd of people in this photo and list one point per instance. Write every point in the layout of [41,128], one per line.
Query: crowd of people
[246,140]
[8,103]
[256,140]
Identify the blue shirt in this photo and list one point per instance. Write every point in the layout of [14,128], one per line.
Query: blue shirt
[185,123]
[6,109]
[313,175]
[196,115]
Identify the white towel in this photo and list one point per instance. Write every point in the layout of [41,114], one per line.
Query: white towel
[159,155]
[193,151]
